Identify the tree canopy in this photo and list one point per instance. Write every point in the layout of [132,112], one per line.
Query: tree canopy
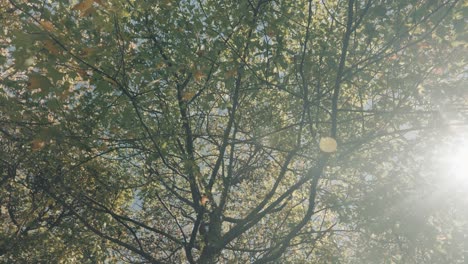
[251,131]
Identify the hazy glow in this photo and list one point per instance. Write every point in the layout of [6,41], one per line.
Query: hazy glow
[454,161]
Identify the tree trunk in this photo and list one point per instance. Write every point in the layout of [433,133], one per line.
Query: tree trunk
[212,249]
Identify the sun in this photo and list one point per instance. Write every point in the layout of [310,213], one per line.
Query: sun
[454,161]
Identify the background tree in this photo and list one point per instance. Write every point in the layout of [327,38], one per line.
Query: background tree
[232,131]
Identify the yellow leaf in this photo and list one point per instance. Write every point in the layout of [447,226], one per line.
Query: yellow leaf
[204,199]
[424,45]
[328,144]
[47,25]
[51,47]
[82,72]
[230,73]
[187,96]
[199,75]
[110,80]
[459,43]
[37,81]
[50,117]
[393,57]
[84,5]
[87,12]
[37,144]
[160,66]
[64,95]
[100,2]
[421,90]
[167,2]
[34,82]
[438,71]
[86,52]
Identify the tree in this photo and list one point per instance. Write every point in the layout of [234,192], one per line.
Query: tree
[230,131]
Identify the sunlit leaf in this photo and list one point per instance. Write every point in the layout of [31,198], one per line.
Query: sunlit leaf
[88,12]
[83,6]
[47,25]
[37,144]
[199,75]
[204,199]
[188,96]
[100,2]
[82,72]
[51,47]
